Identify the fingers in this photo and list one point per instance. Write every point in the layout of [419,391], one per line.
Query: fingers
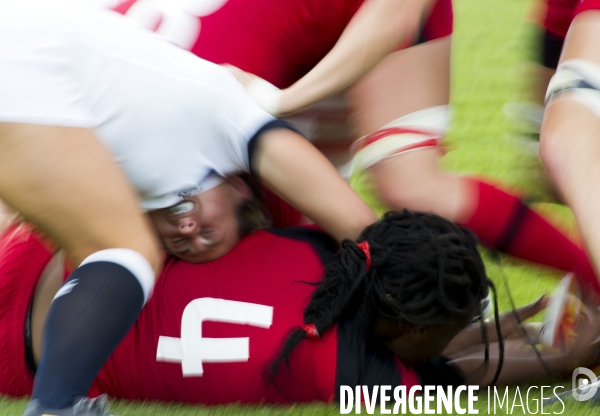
[510,325]
[242,76]
[266,95]
[533,308]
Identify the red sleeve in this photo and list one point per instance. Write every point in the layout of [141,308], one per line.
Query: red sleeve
[282,214]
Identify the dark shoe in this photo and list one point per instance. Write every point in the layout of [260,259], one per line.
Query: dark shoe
[82,407]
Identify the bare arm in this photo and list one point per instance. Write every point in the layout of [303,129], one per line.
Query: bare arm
[378,27]
[509,326]
[297,172]
[523,365]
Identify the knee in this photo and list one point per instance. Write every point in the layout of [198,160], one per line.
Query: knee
[153,254]
[414,190]
[133,262]
[136,239]
[551,148]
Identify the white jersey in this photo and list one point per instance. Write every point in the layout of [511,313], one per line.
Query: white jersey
[171,120]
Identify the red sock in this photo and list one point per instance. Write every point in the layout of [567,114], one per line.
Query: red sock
[502,222]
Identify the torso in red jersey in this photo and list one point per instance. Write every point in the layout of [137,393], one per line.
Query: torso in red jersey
[290,38]
[210,330]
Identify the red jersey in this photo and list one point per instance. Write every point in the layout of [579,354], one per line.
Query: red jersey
[278,40]
[209,330]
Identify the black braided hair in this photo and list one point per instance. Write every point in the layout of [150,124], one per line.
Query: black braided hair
[425,270]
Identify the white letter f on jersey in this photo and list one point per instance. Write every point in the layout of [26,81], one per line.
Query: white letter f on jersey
[191,349]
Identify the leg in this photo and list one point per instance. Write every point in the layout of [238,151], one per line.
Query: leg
[72,190]
[65,182]
[413,180]
[422,73]
[570,145]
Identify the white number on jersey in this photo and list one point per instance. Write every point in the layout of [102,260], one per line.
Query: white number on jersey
[191,350]
[177,20]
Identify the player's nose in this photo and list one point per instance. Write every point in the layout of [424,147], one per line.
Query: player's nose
[187,226]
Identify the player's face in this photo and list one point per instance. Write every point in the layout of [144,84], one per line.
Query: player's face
[416,343]
[203,227]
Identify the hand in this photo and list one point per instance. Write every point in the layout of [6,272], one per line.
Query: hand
[266,95]
[585,348]
[509,326]
[242,76]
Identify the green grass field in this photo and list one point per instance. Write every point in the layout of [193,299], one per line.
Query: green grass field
[491,45]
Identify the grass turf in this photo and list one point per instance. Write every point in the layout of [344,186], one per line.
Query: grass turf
[490,50]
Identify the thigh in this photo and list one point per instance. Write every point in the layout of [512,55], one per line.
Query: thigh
[406,81]
[582,38]
[65,182]
[569,144]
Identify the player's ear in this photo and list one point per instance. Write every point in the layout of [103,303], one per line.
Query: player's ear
[240,187]
[420,332]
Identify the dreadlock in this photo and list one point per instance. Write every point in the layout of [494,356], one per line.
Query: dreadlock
[424,270]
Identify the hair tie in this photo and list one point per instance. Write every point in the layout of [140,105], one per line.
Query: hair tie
[365,248]
[311,331]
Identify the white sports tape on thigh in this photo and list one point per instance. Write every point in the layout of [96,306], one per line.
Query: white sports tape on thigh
[132,261]
[415,131]
[579,78]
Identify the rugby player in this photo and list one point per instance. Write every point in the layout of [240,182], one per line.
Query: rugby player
[84,89]
[211,330]
[569,144]
[399,108]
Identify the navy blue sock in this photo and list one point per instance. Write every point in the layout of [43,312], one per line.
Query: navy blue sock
[92,313]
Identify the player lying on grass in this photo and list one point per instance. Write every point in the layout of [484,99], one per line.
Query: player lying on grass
[99,117]
[382,313]
[569,144]
[400,106]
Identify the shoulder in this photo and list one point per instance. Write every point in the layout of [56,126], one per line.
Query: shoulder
[323,244]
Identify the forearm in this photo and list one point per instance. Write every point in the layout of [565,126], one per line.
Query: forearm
[519,366]
[302,176]
[377,28]
[510,329]
[292,168]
